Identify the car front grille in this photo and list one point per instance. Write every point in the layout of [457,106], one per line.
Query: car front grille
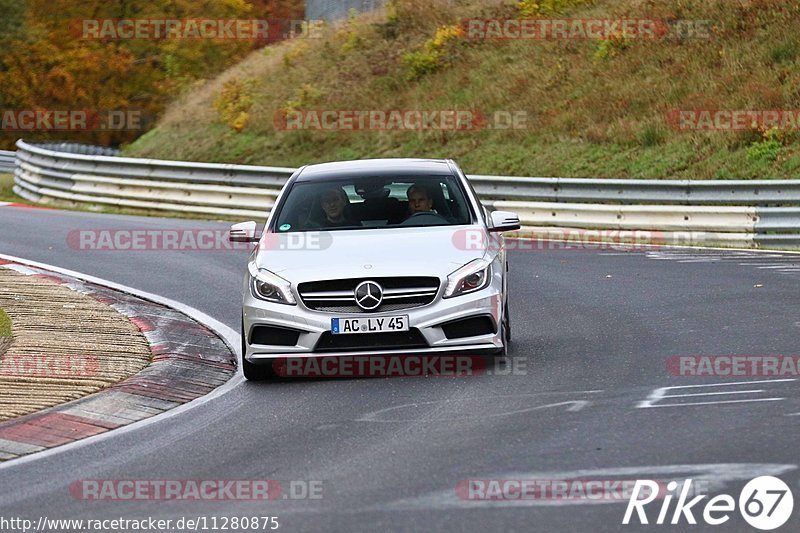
[338,296]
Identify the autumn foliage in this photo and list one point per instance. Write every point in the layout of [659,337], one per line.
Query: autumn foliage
[46,64]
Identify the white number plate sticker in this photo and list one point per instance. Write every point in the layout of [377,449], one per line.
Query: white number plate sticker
[373,324]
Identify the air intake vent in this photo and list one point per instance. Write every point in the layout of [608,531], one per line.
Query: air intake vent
[275,336]
[469,327]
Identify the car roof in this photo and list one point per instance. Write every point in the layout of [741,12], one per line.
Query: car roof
[376,167]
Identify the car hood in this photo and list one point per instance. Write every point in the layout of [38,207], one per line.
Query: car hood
[425,251]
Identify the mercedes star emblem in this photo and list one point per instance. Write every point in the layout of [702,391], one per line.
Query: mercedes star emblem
[368,295]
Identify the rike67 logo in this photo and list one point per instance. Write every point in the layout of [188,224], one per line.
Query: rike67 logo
[765,503]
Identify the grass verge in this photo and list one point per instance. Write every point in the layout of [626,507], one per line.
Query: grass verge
[598,109]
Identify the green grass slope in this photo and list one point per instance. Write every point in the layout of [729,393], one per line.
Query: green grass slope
[595,108]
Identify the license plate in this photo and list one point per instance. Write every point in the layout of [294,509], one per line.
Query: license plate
[373,324]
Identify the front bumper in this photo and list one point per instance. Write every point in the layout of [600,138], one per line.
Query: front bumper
[427,320]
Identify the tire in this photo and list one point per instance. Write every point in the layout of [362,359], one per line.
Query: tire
[507,322]
[254,372]
[505,330]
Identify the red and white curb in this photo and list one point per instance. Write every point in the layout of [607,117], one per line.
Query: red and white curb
[12,204]
[189,361]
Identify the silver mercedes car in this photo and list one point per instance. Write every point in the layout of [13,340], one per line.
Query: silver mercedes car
[375,257]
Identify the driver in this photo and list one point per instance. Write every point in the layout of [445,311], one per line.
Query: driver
[419,200]
[336,207]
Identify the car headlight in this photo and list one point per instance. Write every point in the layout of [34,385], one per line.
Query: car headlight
[270,287]
[472,277]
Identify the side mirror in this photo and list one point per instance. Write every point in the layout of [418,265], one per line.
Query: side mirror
[244,232]
[504,221]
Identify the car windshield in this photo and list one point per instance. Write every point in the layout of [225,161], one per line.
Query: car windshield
[373,202]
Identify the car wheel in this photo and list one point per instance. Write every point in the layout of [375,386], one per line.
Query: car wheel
[504,351]
[251,371]
[507,323]
[505,332]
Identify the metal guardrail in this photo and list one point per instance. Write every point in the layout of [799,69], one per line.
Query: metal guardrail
[748,213]
[79,148]
[7,161]
[624,191]
[7,158]
[44,175]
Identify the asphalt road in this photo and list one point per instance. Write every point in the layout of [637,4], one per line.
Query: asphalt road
[594,330]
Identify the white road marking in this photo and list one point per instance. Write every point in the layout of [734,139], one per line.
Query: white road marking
[661,393]
[615,253]
[714,476]
[789,260]
[685,404]
[781,262]
[378,416]
[712,393]
[666,249]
